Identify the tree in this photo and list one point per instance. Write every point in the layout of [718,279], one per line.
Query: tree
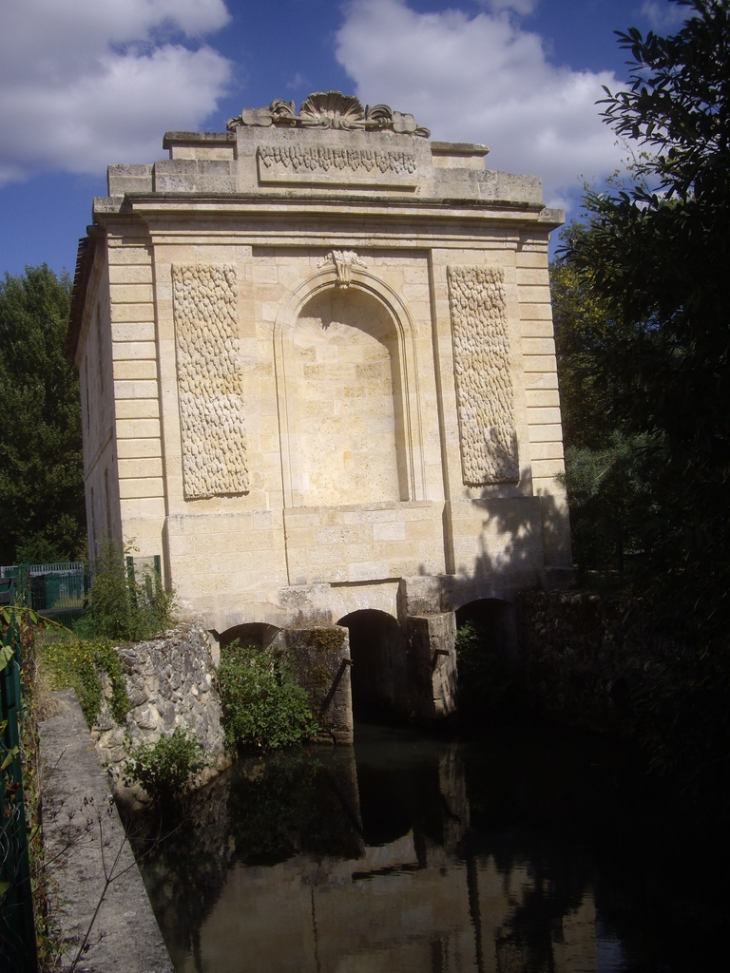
[41,476]
[657,253]
[606,464]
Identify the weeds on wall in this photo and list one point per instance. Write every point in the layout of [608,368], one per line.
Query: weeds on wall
[166,769]
[81,665]
[263,707]
[20,627]
[121,610]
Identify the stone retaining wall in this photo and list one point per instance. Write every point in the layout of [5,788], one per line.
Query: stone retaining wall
[171,683]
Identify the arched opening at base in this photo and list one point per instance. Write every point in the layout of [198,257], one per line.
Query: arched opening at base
[258,634]
[379,670]
[495,621]
[487,653]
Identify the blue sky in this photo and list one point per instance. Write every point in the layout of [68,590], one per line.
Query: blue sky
[85,83]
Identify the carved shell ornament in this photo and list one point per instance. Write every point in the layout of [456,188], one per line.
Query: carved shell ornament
[331,110]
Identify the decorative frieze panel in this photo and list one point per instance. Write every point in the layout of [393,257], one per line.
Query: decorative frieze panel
[210,386]
[483,376]
[325,163]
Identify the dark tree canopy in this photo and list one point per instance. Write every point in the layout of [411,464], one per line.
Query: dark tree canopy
[658,254]
[41,481]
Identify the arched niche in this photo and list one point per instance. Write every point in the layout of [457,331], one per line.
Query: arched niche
[345,364]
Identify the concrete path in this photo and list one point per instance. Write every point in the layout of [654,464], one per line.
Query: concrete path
[86,844]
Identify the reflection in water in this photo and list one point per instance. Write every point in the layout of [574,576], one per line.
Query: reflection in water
[421,856]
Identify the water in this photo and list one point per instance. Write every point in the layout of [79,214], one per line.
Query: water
[532,851]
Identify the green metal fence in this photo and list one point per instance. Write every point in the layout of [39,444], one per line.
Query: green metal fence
[17,931]
[58,591]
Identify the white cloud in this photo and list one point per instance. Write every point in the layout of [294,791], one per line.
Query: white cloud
[88,82]
[664,15]
[523,7]
[481,78]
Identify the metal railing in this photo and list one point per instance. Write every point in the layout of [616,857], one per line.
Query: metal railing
[58,591]
[17,929]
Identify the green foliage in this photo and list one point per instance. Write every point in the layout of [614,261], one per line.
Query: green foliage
[585,334]
[608,469]
[41,479]
[656,254]
[78,664]
[685,722]
[263,707]
[611,503]
[652,256]
[121,608]
[166,769]
[487,687]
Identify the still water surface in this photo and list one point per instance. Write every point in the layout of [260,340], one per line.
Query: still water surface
[525,852]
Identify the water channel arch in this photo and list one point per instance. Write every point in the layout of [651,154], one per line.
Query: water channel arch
[495,618]
[258,634]
[380,663]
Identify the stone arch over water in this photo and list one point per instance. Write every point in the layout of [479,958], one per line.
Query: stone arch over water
[259,634]
[380,663]
[496,619]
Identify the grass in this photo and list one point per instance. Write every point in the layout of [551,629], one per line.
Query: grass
[68,662]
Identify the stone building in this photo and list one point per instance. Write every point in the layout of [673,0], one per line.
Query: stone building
[318,379]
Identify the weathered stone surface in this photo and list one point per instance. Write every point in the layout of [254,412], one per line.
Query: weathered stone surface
[80,825]
[174,675]
[432,664]
[321,661]
[209,380]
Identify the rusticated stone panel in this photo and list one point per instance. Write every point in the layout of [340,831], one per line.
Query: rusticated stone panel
[483,378]
[209,381]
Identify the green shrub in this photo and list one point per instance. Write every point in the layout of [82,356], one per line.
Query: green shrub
[166,769]
[262,705]
[121,608]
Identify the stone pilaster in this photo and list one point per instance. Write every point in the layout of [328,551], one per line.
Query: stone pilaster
[432,664]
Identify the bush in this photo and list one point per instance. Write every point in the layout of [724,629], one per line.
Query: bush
[166,769]
[122,609]
[263,707]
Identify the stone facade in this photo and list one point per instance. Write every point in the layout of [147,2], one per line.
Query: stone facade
[317,368]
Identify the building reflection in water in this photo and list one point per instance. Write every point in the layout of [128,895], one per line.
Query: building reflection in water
[367,860]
